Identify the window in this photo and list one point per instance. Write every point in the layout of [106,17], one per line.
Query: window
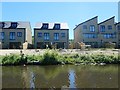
[12,35]
[118,27]
[92,28]
[13,25]
[45,26]
[109,27]
[89,35]
[56,36]
[102,28]
[46,36]
[39,34]
[1,24]
[84,26]
[57,26]
[62,34]
[108,35]
[19,34]
[2,35]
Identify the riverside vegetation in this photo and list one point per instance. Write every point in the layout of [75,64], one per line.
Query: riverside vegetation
[52,57]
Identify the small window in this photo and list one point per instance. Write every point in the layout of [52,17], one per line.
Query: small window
[1,24]
[118,27]
[13,25]
[39,34]
[92,28]
[57,26]
[2,35]
[19,34]
[109,27]
[84,26]
[62,34]
[45,26]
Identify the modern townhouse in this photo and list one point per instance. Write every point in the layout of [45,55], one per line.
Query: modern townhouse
[14,34]
[51,35]
[94,34]
[107,32]
[86,32]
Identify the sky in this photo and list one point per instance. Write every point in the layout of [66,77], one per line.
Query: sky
[72,13]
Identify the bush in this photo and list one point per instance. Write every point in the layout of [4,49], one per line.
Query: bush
[50,58]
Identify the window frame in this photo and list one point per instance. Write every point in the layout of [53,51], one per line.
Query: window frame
[92,28]
[2,35]
[13,35]
[102,29]
[56,36]
[19,34]
[39,34]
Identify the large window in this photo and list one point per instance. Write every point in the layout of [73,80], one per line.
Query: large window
[39,34]
[62,34]
[102,28]
[109,27]
[19,34]
[12,35]
[2,34]
[46,36]
[92,28]
[57,26]
[89,35]
[109,35]
[56,36]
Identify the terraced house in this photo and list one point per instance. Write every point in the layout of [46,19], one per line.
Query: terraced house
[97,35]
[14,34]
[51,35]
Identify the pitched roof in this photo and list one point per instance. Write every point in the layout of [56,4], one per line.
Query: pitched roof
[20,24]
[85,22]
[117,23]
[106,20]
[51,25]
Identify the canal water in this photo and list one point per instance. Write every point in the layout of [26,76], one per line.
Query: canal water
[60,76]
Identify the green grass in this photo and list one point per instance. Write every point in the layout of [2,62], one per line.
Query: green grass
[52,57]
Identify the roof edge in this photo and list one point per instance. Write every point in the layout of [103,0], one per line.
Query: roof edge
[85,22]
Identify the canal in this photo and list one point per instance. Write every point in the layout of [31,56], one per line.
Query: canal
[60,76]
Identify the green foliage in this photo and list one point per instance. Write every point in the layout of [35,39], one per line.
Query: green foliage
[49,58]
[52,57]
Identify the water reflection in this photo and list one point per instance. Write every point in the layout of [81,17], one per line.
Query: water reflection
[60,76]
[72,79]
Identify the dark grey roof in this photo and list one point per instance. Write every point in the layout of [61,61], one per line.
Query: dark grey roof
[106,20]
[85,22]
[20,24]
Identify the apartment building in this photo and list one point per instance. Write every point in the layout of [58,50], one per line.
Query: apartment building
[51,35]
[14,34]
[94,34]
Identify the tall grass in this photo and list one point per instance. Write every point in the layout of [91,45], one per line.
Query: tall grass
[52,57]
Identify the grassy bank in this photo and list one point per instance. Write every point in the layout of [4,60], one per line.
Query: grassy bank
[52,57]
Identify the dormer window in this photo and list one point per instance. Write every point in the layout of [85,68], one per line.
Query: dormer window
[1,24]
[57,26]
[13,25]
[45,26]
